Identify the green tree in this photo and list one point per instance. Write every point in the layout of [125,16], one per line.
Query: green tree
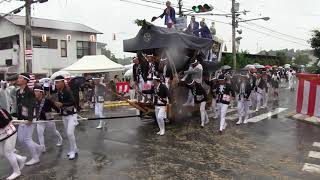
[109,55]
[315,44]
[302,59]
[283,58]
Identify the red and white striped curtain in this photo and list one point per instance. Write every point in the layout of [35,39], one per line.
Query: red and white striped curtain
[308,94]
[123,87]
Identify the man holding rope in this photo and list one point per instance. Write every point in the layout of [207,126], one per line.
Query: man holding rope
[44,108]
[161,98]
[99,96]
[25,111]
[68,112]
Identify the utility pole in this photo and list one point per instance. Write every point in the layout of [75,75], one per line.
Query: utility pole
[180,8]
[234,51]
[28,37]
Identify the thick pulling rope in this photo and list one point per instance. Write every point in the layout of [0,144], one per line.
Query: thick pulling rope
[130,103]
[80,119]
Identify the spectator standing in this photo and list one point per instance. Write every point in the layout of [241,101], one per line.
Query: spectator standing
[193,26]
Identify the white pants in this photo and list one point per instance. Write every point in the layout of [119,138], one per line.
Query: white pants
[290,83]
[190,100]
[132,94]
[265,98]
[98,111]
[214,106]
[160,115]
[167,80]
[243,109]
[282,82]
[7,148]
[25,137]
[70,122]
[140,88]
[253,98]
[203,113]
[258,100]
[222,110]
[41,127]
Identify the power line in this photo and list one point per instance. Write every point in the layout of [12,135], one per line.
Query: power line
[140,4]
[264,33]
[2,1]
[277,37]
[164,3]
[266,28]
[269,29]
[226,23]
[263,27]
[154,2]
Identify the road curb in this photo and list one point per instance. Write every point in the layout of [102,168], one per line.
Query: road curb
[305,118]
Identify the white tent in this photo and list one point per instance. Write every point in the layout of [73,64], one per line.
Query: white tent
[94,64]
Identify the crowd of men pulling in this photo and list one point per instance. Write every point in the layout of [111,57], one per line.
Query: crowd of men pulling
[33,108]
[153,78]
[250,87]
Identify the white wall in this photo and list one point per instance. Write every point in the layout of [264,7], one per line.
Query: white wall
[45,59]
[98,51]
[5,54]
[8,29]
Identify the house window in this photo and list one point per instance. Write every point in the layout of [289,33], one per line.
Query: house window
[9,62]
[6,45]
[50,43]
[64,52]
[83,48]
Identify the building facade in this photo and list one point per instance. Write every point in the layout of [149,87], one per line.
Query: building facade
[55,45]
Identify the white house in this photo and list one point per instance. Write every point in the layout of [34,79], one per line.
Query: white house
[56,44]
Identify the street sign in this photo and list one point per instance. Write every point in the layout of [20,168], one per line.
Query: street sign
[181,23]
[28,53]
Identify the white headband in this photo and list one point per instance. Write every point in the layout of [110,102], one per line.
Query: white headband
[25,77]
[38,90]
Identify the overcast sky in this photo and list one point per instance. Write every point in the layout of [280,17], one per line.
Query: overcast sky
[294,19]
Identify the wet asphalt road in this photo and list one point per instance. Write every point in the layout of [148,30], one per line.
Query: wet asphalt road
[274,148]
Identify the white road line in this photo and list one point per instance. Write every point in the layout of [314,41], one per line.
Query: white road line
[266,115]
[311,168]
[316,144]
[236,116]
[314,154]
[211,114]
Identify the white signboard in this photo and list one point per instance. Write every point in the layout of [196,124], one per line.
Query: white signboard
[181,23]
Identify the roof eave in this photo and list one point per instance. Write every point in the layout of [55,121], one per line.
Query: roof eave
[94,32]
